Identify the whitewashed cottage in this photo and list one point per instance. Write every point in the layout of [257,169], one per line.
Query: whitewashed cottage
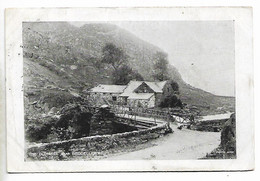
[134,94]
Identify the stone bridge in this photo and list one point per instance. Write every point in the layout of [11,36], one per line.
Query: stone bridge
[101,138]
[104,116]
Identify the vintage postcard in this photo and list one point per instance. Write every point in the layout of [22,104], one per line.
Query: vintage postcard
[129,89]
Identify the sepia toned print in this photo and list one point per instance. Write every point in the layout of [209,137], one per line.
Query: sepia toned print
[129,90]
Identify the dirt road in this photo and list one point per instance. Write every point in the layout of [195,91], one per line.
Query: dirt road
[182,144]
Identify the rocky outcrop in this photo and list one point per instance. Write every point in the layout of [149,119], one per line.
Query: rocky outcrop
[227,147]
[228,135]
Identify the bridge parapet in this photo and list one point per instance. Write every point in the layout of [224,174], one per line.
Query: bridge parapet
[142,112]
[102,122]
[94,147]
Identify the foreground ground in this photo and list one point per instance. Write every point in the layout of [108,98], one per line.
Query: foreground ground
[182,144]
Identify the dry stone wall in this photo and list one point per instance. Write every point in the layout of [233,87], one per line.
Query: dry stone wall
[89,147]
[102,122]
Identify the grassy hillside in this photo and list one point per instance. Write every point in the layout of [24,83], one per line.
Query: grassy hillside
[60,58]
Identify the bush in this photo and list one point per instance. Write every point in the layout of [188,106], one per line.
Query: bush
[38,130]
[175,86]
[171,101]
[73,123]
[125,74]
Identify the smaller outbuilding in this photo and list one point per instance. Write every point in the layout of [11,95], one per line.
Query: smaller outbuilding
[107,93]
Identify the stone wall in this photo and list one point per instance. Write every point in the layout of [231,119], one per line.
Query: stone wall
[145,103]
[210,126]
[151,102]
[158,99]
[102,122]
[103,98]
[89,147]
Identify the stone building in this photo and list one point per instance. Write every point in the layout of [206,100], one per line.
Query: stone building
[106,93]
[134,94]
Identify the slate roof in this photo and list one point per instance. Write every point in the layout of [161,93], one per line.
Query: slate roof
[156,86]
[128,90]
[132,85]
[102,88]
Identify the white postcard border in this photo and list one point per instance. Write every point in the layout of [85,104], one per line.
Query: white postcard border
[244,86]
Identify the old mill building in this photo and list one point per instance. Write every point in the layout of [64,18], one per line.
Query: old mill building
[134,94]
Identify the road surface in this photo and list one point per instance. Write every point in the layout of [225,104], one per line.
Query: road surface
[182,144]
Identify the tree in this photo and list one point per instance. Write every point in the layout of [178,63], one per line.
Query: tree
[113,56]
[124,74]
[161,66]
[171,101]
[175,86]
[117,58]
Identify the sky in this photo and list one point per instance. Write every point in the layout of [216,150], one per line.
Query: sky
[202,51]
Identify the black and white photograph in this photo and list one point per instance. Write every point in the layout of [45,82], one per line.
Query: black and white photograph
[129,90]
[141,89]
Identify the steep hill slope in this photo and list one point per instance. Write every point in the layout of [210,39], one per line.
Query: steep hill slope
[71,58]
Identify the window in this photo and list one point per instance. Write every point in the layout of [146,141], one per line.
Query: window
[125,100]
[114,98]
